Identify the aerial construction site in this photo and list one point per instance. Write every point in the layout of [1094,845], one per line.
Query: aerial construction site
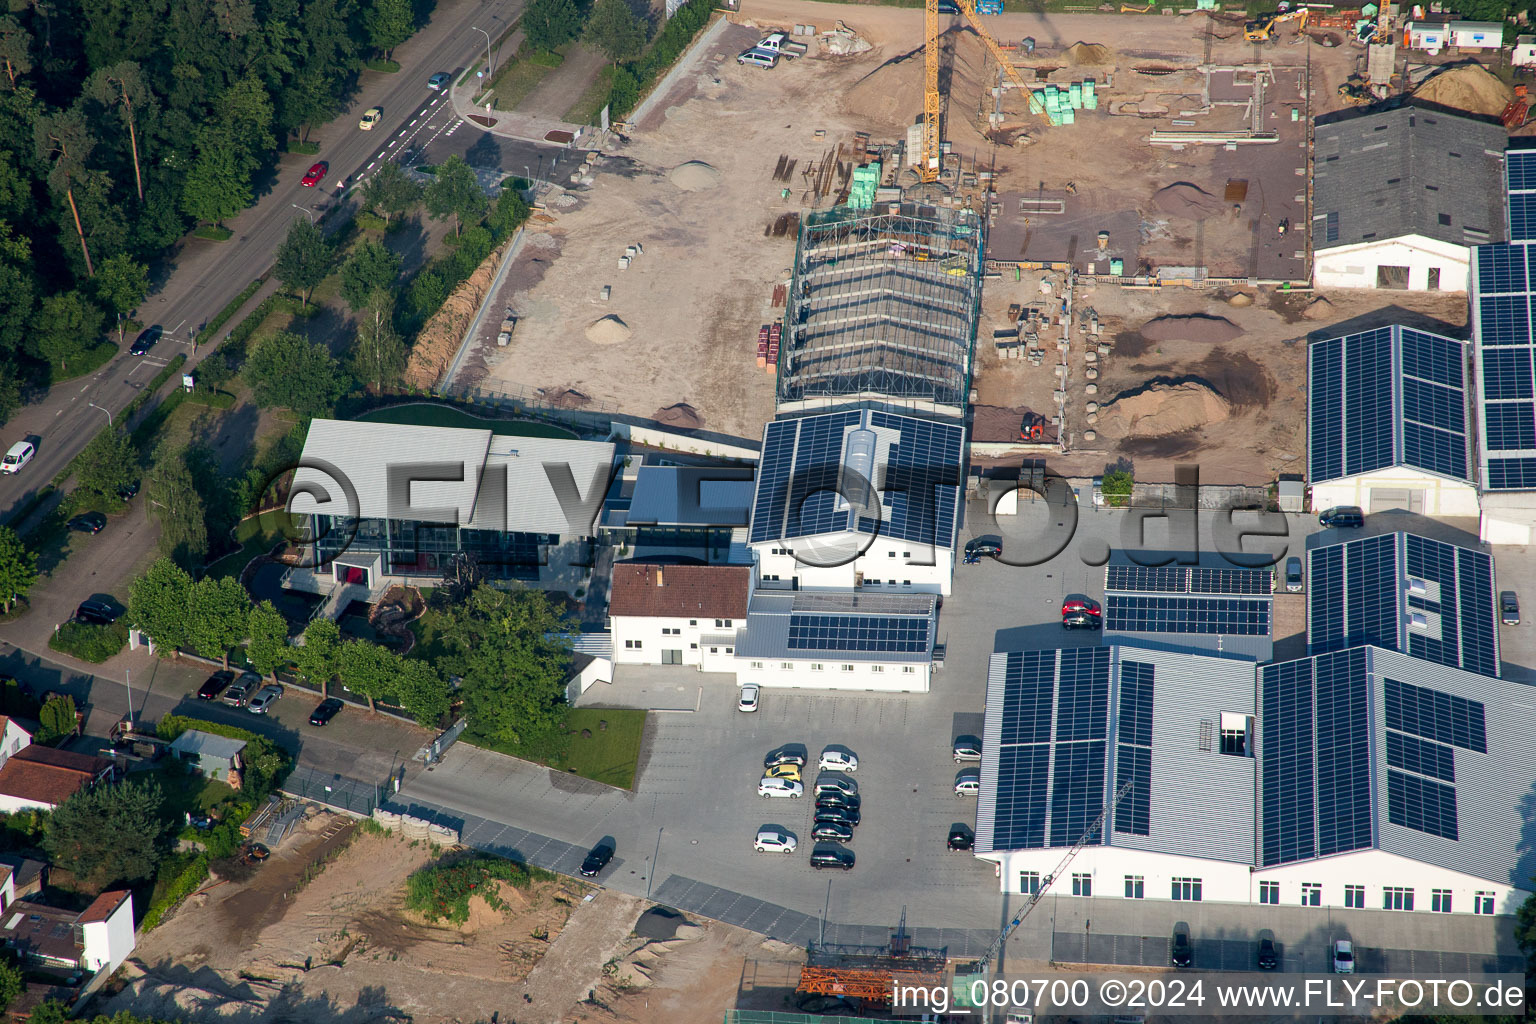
[1138,186]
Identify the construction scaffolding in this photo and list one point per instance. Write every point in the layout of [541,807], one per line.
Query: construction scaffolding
[870,973]
[883,306]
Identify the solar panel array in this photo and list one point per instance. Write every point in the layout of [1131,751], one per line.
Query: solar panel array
[1424,727]
[1176,579]
[802,464]
[1354,590]
[1131,613]
[1054,736]
[907,635]
[1385,397]
[1503,279]
[1133,755]
[1315,757]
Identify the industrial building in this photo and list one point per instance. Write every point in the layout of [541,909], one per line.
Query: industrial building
[1402,195]
[1387,423]
[1503,349]
[1201,602]
[840,640]
[698,511]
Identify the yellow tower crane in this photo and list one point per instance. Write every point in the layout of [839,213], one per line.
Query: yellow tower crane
[930,165]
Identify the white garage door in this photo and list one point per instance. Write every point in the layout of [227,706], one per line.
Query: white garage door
[1384,499]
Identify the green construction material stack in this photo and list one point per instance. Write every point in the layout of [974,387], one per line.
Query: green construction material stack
[1037,101]
[1117,267]
[1068,115]
[1090,96]
[866,179]
[1053,104]
[1075,95]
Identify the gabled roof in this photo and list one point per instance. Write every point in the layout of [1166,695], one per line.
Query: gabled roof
[85,764]
[194,741]
[1407,170]
[44,775]
[646,589]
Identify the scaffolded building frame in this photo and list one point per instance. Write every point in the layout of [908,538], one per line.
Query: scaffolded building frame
[883,306]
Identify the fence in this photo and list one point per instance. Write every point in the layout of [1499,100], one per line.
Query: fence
[1206,496]
[351,795]
[440,745]
[534,403]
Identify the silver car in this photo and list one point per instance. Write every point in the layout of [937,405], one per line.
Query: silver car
[265,699]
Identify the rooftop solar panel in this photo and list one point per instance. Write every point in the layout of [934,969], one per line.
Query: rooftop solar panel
[1369,418]
[1130,613]
[1520,169]
[1434,715]
[1029,696]
[1512,474]
[1082,695]
[1506,374]
[1232,581]
[1522,217]
[1370,609]
[1146,579]
[1343,753]
[1135,719]
[773,471]
[1500,268]
[922,476]
[1510,426]
[1421,757]
[858,633]
[1325,599]
[1433,358]
[1479,631]
[1421,804]
[1077,790]
[1133,753]
[1023,774]
[1288,764]
[1325,397]
[1504,320]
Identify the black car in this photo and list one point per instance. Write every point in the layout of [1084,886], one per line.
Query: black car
[326,711]
[784,755]
[961,837]
[832,831]
[146,340]
[1183,953]
[215,685]
[982,547]
[128,490]
[1269,957]
[96,613]
[948,7]
[596,860]
[88,522]
[827,798]
[831,855]
[1509,608]
[1347,517]
[1082,620]
[836,816]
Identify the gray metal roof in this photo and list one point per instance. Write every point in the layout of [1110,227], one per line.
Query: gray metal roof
[767,633]
[1228,645]
[494,482]
[1409,170]
[691,496]
[194,741]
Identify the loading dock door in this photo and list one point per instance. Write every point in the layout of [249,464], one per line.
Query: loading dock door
[1385,499]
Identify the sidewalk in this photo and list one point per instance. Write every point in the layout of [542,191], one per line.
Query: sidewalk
[515,125]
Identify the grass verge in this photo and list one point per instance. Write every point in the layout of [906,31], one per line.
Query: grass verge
[89,361]
[386,67]
[306,148]
[89,643]
[223,316]
[213,233]
[607,753]
[592,100]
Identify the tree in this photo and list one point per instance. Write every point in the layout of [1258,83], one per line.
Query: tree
[11,984]
[57,720]
[510,648]
[509,212]
[109,834]
[378,353]
[216,186]
[422,691]
[462,576]
[220,610]
[455,192]
[66,327]
[120,285]
[64,139]
[15,50]
[614,29]
[390,192]
[551,23]
[18,569]
[370,268]
[319,656]
[1116,486]
[304,258]
[122,86]
[389,23]
[368,669]
[173,499]
[268,650]
[287,371]
[109,462]
[159,606]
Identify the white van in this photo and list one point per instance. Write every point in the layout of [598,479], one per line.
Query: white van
[761,58]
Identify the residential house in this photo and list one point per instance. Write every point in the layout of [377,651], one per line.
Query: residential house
[38,777]
[670,614]
[99,938]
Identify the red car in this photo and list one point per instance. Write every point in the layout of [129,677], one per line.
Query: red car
[1081,605]
[315,174]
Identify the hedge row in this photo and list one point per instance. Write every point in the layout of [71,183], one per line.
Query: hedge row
[89,643]
[184,885]
[631,80]
[230,310]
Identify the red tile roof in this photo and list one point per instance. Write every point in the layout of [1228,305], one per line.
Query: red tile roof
[40,783]
[680,591]
[86,764]
[103,906]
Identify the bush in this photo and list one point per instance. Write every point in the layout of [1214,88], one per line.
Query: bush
[172,889]
[232,308]
[366,221]
[89,643]
[388,67]
[443,890]
[1116,487]
[631,79]
[212,399]
[212,233]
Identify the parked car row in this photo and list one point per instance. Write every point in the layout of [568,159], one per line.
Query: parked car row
[838,804]
[1182,952]
[247,692]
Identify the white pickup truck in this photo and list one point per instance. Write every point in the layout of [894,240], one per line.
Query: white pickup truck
[780,45]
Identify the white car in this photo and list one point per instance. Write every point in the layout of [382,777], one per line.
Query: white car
[771,840]
[1343,957]
[780,787]
[20,454]
[838,761]
[748,699]
[968,782]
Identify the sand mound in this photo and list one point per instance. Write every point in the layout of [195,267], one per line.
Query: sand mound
[1467,87]
[1164,409]
[1197,327]
[610,330]
[1182,199]
[695,176]
[891,92]
[1240,300]
[681,416]
[1089,53]
[1318,309]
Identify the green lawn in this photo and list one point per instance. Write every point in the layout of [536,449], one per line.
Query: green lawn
[429,646]
[592,100]
[430,414]
[608,755]
[515,81]
[254,543]
[187,792]
[89,361]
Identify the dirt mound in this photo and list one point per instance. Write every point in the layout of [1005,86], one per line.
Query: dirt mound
[1466,87]
[1318,309]
[695,176]
[681,416]
[567,398]
[609,330]
[439,340]
[1089,53]
[891,92]
[1183,199]
[1196,327]
[1163,409]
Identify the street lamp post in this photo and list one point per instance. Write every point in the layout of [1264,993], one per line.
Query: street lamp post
[307,210]
[93,405]
[488,68]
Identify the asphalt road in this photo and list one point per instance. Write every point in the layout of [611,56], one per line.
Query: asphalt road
[202,277]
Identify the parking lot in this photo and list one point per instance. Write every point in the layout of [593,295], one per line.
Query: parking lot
[684,835]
